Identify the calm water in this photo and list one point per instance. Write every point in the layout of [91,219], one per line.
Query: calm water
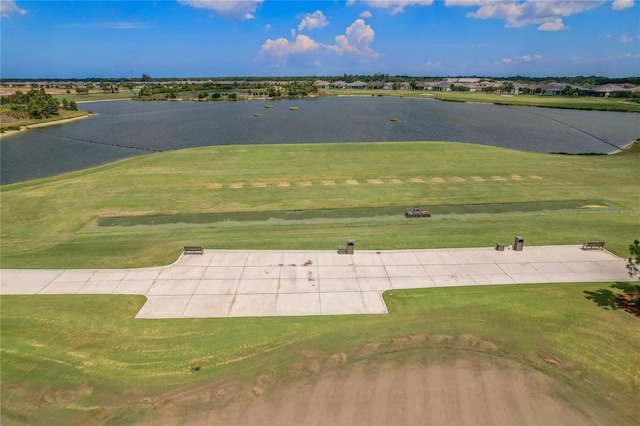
[125,129]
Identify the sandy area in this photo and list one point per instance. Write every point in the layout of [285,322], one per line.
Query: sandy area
[422,388]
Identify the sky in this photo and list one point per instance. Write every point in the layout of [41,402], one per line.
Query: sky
[215,38]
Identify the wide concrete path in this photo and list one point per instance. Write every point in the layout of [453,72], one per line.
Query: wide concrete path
[242,283]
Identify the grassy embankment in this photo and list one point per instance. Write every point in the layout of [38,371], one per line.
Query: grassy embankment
[26,122]
[565,102]
[44,222]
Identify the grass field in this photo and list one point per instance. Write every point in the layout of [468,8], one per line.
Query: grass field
[85,360]
[42,219]
[64,115]
[568,102]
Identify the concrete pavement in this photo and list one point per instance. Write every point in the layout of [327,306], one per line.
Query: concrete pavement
[243,283]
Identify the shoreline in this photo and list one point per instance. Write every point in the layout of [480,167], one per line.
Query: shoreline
[44,124]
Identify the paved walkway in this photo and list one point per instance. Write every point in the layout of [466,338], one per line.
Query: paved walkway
[242,283]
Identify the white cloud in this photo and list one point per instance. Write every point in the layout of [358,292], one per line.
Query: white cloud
[529,58]
[546,14]
[356,40]
[523,58]
[9,8]
[284,47]
[622,4]
[396,6]
[314,20]
[240,9]
[553,25]
[366,14]
[625,39]
[267,27]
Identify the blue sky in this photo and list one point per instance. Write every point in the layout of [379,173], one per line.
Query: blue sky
[200,38]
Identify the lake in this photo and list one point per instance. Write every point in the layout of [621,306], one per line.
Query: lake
[123,129]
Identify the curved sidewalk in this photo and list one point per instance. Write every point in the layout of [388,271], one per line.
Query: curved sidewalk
[243,283]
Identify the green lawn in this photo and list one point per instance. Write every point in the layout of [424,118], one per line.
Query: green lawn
[64,115]
[91,97]
[44,222]
[568,102]
[84,359]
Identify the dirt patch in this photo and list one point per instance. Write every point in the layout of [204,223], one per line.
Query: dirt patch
[477,178]
[437,387]
[459,179]
[395,181]
[375,181]
[328,182]
[416,180]
[237,185]
[62,397]
[536,177]
[284,184]
[438,180]
[259,184]
[351,182]
[498,178]
[215,185]
[6,118]
[305,183]
[516,177]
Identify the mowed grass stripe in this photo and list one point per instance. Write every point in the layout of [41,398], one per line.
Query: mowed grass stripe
[377,181]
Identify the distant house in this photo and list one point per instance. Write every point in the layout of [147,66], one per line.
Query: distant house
[442,86]
[321,84]
[609,91]
[404,86]
[550,89]
[339,84]
[377,85]
[357,85]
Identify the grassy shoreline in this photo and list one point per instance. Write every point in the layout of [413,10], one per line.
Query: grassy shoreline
[42,219]
[21,125]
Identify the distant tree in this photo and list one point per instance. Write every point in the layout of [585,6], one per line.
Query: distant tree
[73,106]
[145,91]
[65,103]
[146,77]
[633,264]
[36,103]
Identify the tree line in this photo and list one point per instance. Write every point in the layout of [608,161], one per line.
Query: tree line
[34,104]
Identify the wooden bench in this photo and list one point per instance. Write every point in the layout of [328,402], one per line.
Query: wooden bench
[590,245]
[193,250]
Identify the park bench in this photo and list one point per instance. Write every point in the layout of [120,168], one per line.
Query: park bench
[590,245]
[193,250]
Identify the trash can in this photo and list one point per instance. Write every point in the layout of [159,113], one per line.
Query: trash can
[518,243]
[500,247]
[349,246]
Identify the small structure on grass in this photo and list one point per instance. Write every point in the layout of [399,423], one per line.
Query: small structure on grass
[417,212]
[348,250]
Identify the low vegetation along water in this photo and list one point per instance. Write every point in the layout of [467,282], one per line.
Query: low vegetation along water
[123,129]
